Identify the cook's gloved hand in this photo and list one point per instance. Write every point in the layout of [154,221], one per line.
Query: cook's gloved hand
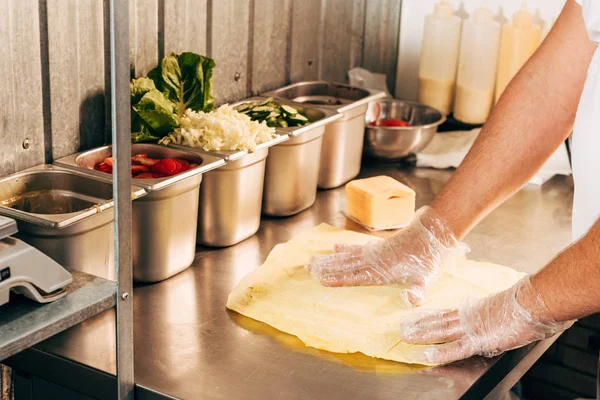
[488,326]
[412,257]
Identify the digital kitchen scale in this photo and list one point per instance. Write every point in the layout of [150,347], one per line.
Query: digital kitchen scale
[26,270]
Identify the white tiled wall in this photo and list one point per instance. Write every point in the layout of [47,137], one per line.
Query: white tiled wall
[411,31]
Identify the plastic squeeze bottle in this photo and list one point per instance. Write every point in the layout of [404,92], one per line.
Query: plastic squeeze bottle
[439,57]
[519,41]
[477,67]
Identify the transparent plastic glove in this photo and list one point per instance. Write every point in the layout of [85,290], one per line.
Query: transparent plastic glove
[487,327]
[413,257]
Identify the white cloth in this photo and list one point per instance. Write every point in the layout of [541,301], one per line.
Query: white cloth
[585,148]
[448,149]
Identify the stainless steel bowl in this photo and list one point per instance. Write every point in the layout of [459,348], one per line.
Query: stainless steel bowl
[396,143]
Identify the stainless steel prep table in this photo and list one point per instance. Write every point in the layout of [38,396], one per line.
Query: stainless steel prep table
[188,346]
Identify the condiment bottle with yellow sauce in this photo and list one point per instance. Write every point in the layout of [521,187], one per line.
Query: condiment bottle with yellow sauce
[477,67]
[519,41]
[439,57]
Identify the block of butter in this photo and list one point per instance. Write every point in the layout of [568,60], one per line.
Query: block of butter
[380,202]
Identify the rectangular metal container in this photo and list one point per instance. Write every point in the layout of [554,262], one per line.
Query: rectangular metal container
[65,214]
[165,220]
[231,196]
[292,167]
[342,147]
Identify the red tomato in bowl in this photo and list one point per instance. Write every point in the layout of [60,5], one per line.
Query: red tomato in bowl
[392,122]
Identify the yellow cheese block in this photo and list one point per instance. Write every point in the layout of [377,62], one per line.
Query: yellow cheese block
[380,201]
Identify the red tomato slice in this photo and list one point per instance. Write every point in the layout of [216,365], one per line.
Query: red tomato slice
[191,166]
[184,165]
[166,167]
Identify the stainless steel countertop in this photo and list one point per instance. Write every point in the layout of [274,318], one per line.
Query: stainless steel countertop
[188,345]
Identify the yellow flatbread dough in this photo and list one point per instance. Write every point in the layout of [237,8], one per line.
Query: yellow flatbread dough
[361,319]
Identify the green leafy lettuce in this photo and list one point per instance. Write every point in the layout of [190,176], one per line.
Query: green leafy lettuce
[186,80]
[158,101]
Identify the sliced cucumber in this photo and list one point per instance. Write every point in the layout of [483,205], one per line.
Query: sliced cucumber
[243,107]
[263,109]
[274,114]
[298,117]
[266,102]
[288,110]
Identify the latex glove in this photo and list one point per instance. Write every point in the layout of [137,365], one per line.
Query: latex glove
[487,327]
[413,257]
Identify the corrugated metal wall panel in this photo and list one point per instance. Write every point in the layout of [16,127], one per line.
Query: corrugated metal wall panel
[270,45]
[144,35]
[229,48]
[76,75]
[342,38]
[306,40]
[380,51]
[91,110]
[185,26]
[358,32]
[21,113]
[63,75]
[54,57]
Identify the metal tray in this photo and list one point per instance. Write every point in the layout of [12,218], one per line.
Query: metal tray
[318,116]
[86,160]
[93,195]
[65,214]
[164,221]
[292,168]
[231,201]
[343,140]
[339,97]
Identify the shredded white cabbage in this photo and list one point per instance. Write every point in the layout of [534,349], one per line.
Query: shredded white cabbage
[220,129]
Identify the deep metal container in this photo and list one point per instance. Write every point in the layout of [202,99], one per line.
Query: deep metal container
[343,139]
[231,196]
[292,173]
[230,200]
[65,214]
[292,168]
[165,220]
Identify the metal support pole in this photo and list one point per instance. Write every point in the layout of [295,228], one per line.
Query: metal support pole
[121,151]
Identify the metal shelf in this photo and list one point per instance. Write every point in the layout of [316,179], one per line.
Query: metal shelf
[25,323]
